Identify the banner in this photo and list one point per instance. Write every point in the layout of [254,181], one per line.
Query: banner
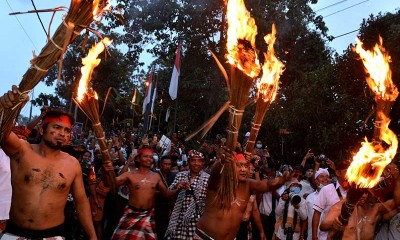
[173,85]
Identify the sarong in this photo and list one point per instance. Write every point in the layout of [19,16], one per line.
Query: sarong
[13,232]
[201,235]
[136,224]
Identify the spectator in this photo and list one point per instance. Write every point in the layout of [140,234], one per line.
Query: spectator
[327,197]
[189,205]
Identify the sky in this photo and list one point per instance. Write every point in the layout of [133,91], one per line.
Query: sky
[23,34]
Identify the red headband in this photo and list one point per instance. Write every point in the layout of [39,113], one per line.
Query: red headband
[62,118]
[142,150]
[240,156]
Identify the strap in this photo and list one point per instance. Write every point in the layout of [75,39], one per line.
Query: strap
[273,204]
[339,193]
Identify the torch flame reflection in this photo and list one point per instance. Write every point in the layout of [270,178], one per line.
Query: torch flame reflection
[90,62]
[272,69]
[372,158]
[242,31]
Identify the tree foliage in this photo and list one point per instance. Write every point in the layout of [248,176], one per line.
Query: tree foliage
[323,98]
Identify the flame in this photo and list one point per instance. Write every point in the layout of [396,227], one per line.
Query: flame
[100,8]
[242,31]
[272,69]
[376,63]
[369,163]
[95,8]
[90,62]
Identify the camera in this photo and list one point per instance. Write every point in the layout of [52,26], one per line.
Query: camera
[294,198]
[322,158]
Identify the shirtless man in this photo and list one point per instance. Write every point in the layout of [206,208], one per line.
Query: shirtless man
[219,223]
[362,221]
[137,221]
[41,177]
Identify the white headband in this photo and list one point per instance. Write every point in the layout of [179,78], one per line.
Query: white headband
[320,171]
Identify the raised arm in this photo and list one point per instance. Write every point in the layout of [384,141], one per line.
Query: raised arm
[32,124]
[11,144]
[266,185]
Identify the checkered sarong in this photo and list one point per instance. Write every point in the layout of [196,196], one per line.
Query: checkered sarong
[135,225]
[185,216]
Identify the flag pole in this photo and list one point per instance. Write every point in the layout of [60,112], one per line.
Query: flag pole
[133,114]
[176,110]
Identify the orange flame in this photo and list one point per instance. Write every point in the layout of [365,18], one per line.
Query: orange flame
[376,63]
[272,69]
[372,158]
[90,62]
[95,8]
[242,31]
[368,164]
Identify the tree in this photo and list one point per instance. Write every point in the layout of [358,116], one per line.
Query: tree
[115,72]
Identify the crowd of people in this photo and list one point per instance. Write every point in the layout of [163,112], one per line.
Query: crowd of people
[53,185]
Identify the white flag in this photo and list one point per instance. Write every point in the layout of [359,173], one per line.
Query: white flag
[173,85]
[154,97]
[147,95]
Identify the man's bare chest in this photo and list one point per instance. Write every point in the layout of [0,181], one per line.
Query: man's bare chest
[47,177]
[146,183]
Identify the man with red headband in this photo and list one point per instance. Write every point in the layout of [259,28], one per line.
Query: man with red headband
[42,177]
[222,222]
[137,221]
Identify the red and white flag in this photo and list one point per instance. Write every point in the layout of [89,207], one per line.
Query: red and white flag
[147,95]
[173,85]
[154,96]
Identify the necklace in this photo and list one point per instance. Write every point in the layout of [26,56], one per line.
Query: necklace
[238,202]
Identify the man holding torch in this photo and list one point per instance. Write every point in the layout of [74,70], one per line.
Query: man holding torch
[222,222]
[42,177]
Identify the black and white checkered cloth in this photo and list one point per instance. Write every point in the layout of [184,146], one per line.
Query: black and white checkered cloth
[182,224]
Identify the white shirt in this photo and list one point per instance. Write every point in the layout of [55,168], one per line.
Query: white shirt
[266,204]
[310,212]
[301,211]
[5,186]
[305,188]
[326,198]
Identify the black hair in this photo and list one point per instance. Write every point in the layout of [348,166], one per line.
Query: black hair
[165,157]
[55,113]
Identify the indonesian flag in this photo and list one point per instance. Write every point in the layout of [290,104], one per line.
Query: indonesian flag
[173,85]
[147,95]
[154,96]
